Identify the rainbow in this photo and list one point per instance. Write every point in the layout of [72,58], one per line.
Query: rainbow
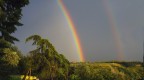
[115,32]
[73,29]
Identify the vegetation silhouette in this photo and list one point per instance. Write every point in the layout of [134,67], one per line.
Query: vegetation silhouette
[44,62]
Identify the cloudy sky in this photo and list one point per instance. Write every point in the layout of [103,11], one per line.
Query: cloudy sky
[108,29]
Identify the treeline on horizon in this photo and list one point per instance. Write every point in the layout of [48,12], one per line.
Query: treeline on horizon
[106,71]
[44,61]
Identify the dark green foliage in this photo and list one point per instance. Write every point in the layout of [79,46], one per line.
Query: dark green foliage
[127,64]
[13,77]
[10,15]
[105,71]
[4,44]
[24,65]
[45,61]
[9,59]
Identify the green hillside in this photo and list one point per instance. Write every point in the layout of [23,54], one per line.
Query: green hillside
[107,71]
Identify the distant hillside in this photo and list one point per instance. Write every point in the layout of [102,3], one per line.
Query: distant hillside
[106,71]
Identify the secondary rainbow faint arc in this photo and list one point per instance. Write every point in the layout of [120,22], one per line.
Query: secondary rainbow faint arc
[73,29]
[114,29]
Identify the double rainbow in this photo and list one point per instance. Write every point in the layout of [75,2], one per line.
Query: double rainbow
[115,32]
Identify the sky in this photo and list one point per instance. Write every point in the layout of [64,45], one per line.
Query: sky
[108,29]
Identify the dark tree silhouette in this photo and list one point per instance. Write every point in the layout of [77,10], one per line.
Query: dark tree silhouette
[10,15]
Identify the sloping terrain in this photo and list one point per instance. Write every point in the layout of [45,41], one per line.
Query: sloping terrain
[107,71]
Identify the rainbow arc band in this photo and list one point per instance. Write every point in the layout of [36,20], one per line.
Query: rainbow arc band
[114,29]
[73,29]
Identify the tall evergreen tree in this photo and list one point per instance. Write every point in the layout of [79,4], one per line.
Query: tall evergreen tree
[10,15]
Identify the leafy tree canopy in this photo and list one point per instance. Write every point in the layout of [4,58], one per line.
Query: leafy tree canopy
[46,63]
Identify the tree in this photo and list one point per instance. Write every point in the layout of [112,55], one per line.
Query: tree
[10,57]
[9,60]
[42,44]
[10,14]
[46,62]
